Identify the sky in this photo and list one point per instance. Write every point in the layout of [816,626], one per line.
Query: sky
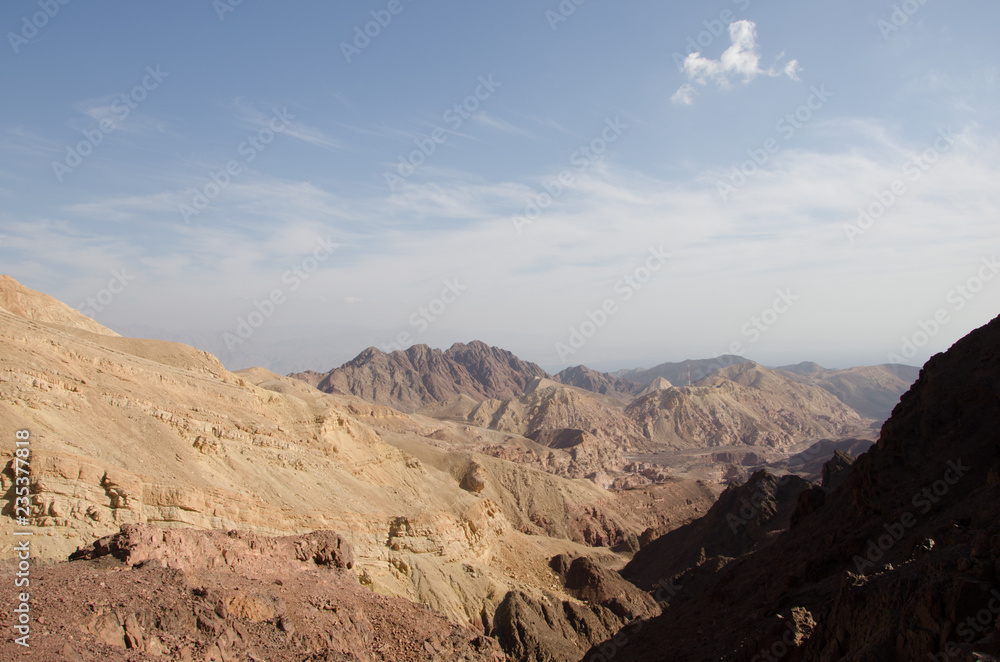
[580,182]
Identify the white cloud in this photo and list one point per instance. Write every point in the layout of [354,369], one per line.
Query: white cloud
[741,60]
[684,95]
[785,229]
[792,69]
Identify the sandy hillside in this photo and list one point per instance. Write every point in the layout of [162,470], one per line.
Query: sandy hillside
[146,431]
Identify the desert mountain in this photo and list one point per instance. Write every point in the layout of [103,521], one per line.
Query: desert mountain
[898,563]
[677,372]
[658,384]
[734,402]
[147,432]
[547,404]
[566,430]
[418,376]
[872,391]
[599,382]
[744,404]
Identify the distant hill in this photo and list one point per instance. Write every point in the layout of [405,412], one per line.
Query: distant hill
[677,373]
[744,404]
[599,382]
[733,401]
[872,391]
[413,378]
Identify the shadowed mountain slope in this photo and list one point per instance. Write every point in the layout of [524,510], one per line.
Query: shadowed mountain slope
[898,563]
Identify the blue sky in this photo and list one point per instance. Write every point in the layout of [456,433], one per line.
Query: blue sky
[823,177]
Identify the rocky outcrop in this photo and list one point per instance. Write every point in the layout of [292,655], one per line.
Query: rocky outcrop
[148,593]
[547,629]
[837,469]
[901,562]
[410,379]
[475,479]
[188,549]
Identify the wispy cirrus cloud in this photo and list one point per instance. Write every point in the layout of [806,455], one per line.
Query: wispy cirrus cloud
[123,117]
[498,124]
[312,135]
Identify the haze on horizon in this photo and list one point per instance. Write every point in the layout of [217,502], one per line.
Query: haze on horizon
[813,182]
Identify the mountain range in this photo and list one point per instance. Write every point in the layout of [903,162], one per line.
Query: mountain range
[433,504]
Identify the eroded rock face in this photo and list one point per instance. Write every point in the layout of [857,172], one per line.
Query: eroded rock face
[182,594]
